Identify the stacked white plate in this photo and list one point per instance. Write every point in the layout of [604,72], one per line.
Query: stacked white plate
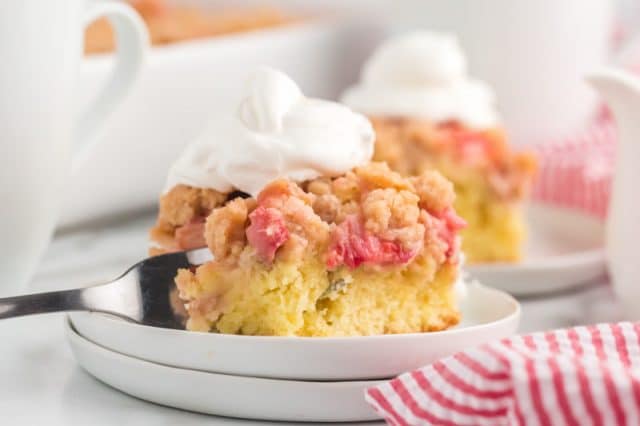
[273,378]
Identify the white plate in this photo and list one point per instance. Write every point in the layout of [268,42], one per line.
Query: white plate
[488,314]
[565,249]
[221,394]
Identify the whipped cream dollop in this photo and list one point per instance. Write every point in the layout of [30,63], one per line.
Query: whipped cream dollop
[275,132]
[422,74]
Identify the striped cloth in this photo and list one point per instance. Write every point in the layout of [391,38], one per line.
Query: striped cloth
[578,376]
[583,163]
[577,172]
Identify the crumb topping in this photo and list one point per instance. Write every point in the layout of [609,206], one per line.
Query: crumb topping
[393,216]
[434,191]
[412,146]
[369,216]
[225,228]
[181,217]
[184,203]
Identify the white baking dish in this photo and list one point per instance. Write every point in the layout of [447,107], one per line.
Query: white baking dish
[184,85]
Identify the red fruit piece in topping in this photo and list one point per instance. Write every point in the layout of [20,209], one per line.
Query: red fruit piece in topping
[267,232]
[191,235]
[352,246]
[449,223]
[471,146]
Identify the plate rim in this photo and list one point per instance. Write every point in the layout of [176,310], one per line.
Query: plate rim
[585,265]
[514,315]
[70,330]
[585,257]
[99,362]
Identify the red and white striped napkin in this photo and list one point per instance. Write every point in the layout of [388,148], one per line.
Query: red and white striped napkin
[577,172]
[578,376]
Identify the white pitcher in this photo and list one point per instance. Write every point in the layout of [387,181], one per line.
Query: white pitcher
[621,91]
[40,53]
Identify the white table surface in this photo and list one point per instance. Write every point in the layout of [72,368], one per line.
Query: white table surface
[41,383]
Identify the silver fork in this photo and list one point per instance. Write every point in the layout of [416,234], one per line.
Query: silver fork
[143,294]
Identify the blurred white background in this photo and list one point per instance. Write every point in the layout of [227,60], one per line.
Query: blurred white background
[534,59]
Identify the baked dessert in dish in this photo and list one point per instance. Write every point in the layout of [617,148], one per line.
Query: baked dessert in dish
[427,113]
[168,23]
[309,237]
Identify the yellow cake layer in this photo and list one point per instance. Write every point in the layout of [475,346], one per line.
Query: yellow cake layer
[496,230]
[287,299]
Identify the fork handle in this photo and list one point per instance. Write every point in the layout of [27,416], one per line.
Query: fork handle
[82,299]
[42,303]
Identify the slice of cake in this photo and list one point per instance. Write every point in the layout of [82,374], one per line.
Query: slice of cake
[328,243]
[427,113]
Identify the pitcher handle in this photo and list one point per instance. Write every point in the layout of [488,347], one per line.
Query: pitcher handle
[132,42]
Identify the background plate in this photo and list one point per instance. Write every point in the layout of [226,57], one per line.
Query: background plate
[565,249]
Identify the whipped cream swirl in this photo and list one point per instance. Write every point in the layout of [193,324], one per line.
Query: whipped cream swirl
[275,132]
[424,75]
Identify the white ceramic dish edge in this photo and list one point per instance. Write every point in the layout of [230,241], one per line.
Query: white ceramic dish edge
[489,314]
[224,395]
